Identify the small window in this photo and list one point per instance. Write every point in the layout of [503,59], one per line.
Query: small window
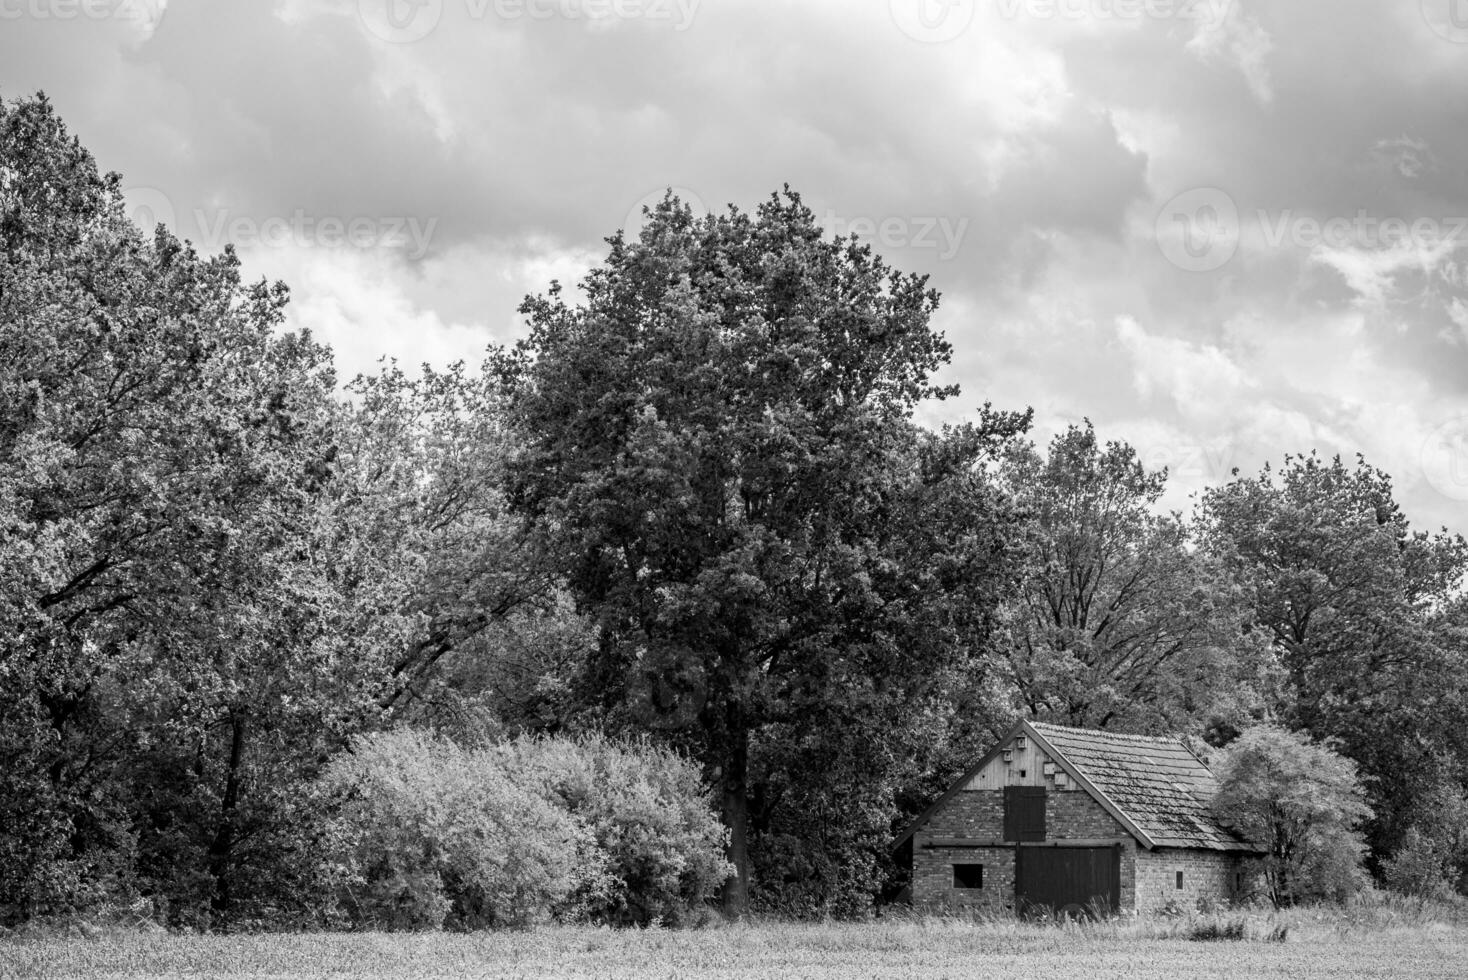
[968,876]
[1179,879]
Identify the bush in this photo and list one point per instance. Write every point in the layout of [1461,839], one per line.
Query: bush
[1301,801]
[1217,929]
[1430,859]
[649,815]
[425,833]
[1421,868]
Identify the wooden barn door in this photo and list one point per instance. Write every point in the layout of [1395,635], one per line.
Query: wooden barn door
[1067,881]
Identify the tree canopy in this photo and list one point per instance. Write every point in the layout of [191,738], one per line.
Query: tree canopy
[689,528]
[721,440]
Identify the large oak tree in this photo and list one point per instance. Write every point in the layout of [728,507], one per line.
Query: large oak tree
[720,439]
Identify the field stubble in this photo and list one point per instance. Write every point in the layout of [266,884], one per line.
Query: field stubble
[1318,946]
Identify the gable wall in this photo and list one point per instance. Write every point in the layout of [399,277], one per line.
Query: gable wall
[977,814]
[1025,767]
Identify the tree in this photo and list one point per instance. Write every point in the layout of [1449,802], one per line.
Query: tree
[719,443]
[1431,858]
[160,451]
[1120,622]
[1364,614]
[431,563]
[1301,801]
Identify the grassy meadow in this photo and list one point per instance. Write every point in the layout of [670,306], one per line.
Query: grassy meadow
[1323,945]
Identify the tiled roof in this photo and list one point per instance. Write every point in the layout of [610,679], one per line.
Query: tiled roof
[1156,783]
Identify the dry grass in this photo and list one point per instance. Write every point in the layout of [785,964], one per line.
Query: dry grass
[1317,944]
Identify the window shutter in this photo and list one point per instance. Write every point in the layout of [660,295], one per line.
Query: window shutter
[1024,813]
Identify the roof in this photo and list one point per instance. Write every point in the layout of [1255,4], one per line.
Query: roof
[1154,786]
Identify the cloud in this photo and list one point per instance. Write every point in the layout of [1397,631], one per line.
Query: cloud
[1226,33]
[1020,157]
[1372,272]
[1407,156]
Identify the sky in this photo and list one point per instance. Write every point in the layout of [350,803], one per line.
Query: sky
[1222,230]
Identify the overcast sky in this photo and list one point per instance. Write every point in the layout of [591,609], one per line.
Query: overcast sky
[1222,229]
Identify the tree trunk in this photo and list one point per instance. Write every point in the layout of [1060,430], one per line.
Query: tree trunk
[221,850]
[735,811]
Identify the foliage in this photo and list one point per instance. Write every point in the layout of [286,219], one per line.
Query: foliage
[516,676]
[1430,861]
[1421,867]
[695,509]
[1301,802]
[1362,611]
[1120,622]
[162,447]
[427,558]
[719,441]
[425,833]
[647,812]
[434,835]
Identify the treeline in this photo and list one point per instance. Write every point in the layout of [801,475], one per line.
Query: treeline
[250,616]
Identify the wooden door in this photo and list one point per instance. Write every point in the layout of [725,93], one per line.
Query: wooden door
[1067,881]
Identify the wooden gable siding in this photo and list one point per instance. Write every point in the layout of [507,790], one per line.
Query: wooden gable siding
[1038,769]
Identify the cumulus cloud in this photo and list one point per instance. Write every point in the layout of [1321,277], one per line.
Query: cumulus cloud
[1018,153]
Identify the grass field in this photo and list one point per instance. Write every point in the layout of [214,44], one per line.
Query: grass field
[914,950]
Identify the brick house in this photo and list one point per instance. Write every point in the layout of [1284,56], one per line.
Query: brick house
[1069,819]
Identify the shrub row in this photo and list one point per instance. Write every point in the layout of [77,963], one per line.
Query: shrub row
[425,834]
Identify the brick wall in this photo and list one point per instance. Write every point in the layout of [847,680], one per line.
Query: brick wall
[974,814]
[1208,876]
[979,815]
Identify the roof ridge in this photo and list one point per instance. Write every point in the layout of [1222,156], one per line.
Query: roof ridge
[1172,739]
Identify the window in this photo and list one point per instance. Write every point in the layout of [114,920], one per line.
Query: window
[1179,879]
[968,876]
[1024,813]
